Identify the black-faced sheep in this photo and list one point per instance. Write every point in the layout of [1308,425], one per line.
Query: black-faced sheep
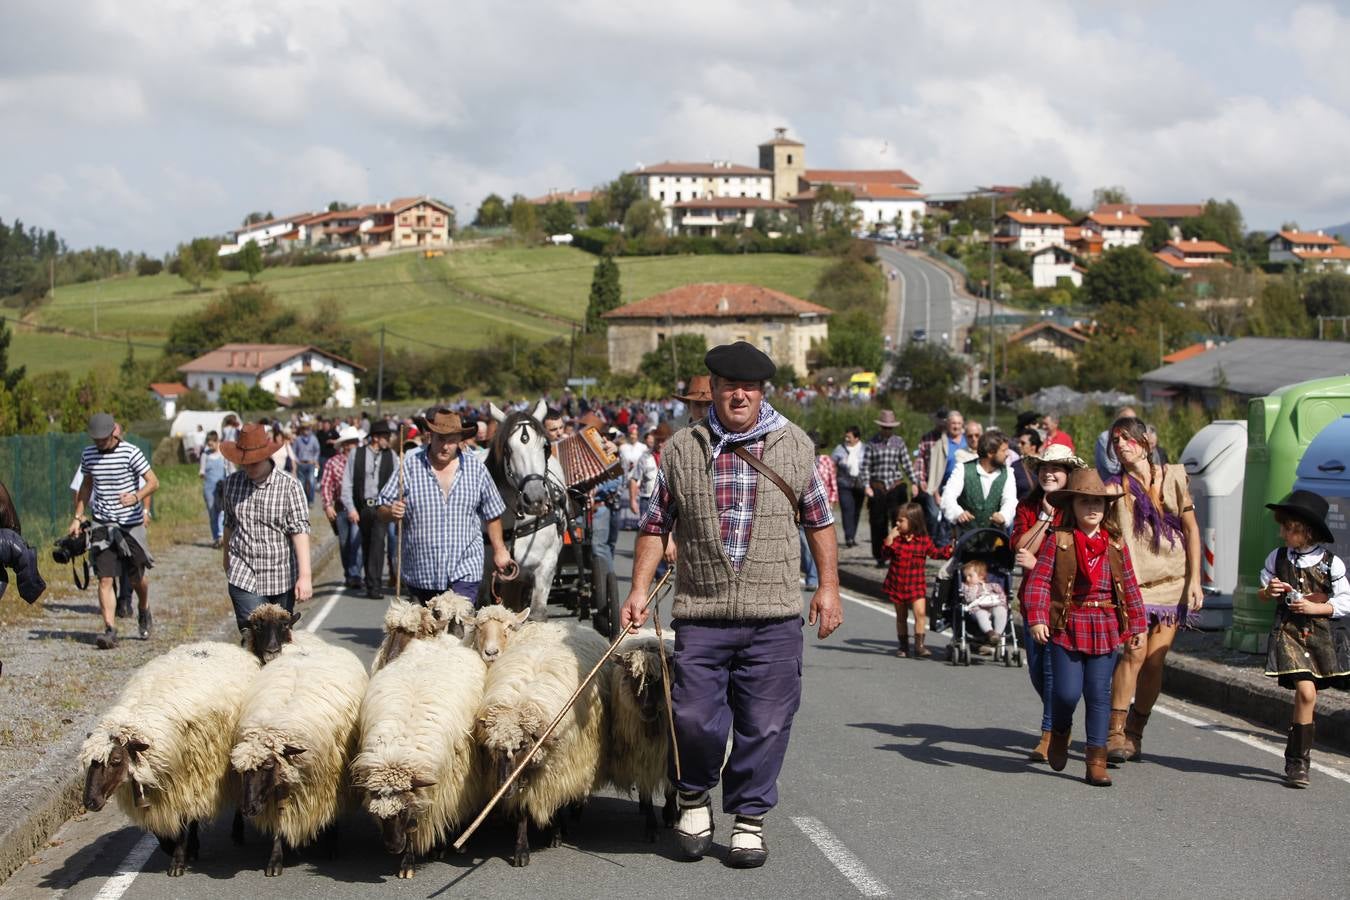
[526,688]
[494,627]
[639,732]
[295,737]
[270,627]
[418,767]
[405,621]
[164,746]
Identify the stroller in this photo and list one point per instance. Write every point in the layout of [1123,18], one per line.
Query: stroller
[992,547]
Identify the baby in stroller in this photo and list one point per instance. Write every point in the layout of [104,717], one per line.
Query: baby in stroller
[985,601]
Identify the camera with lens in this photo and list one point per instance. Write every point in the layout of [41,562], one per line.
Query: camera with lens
[71,546]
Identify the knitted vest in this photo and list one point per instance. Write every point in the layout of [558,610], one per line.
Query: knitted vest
[706,584]
[982,507]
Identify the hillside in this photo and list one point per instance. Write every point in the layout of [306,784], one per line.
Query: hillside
[457,300]
[1342,231]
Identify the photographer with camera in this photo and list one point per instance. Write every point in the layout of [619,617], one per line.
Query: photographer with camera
[112,471]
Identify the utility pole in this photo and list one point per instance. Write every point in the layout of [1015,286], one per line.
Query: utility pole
[379,380]
[51,276]
[993,397]
[572,351]
[1160,343]
[674,360]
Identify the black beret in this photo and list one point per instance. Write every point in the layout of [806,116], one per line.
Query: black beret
[739,362]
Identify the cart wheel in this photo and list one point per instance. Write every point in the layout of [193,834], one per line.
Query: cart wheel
[965,656]
[952,654]
[1019,659]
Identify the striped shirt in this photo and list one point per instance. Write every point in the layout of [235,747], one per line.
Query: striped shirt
[261,519]
[443,533]
[117,472]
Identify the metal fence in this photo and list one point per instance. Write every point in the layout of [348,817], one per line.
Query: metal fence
[38,470]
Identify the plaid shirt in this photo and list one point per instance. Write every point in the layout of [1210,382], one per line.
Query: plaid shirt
[886,461]
[825,474]
[330,483]
[906,579]
[443,533]
[261,519]
[926,444]
[1091,630]
[734,484]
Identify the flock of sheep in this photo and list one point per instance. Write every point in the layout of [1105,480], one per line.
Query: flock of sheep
[291,731]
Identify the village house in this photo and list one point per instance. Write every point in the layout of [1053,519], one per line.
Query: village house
[407,222]
[1184,257]
[1117,229]
[708,216]
[1082,242]
[1050,264]
[168,395]
[673,182]
[1050,338]
[580,201]
[278,368]
[781,325]
[1028,231]
[1309,249]
[1243,369]
[1171,213]
[267,233]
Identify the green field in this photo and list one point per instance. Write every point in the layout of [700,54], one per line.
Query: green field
[457,300]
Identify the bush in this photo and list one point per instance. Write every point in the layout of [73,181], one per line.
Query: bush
[147,266]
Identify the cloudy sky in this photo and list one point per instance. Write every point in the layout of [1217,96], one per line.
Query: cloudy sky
[138,123]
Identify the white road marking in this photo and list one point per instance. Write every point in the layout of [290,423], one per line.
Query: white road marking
[841,857]
[322,614]
[1247,739]
[874,605]
[130,867]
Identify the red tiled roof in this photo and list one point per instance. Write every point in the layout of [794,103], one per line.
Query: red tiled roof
[380,229]
[1116,219]
[1195,245]
[1154,210]
[1335,251]
[699,168]
[168,388]
[254,358]
[1172,261]
[731,203]
[1306,237]
[402,203]
[701,301]
[894,177]
[1027,217]
[1074,234]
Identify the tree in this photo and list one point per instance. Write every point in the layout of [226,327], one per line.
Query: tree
[315,392]
[622,193]
[645,219]
[244,313]
[524,218]
[1042,193]
[492,212]
[10,378]
[1130,340]
[20,412]
[1156,235]
[251,259]
[149,266]
[605,294]
[1125,275]
[599,211]
[254,218]
[1026,371]
[851,284]
[234,396]
[1328,295]
[199,261]
[933,373]
[339,206]
[1220,221]
[558,217]
[1279,312]
[833,211]
[854,341]
[658,366]
[1113,194]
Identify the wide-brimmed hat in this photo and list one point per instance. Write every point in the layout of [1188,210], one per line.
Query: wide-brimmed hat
[1082,483]
[662,432]
[380,427]
[887,419]
[254,444]
[439,420]
[591,419]
[698,391]
[1310,509]
[1054,455]
[348,433]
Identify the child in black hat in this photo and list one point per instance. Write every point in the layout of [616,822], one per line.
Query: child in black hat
[1310,640]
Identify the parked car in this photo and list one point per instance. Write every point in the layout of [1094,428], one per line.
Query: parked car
[918,336]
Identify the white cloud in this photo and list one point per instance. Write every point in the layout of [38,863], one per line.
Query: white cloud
[94,99]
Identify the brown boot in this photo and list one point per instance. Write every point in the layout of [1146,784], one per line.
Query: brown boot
[1115,737]
[1096,767]
[1134,734]
[1298,755]
[920,651]
[1057,753]
[902,638]
[1039,754]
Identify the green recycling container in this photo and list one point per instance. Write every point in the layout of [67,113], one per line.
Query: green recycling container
[1279,428]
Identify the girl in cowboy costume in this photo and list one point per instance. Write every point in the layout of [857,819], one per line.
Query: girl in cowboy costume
[1310,640]
[1082,602]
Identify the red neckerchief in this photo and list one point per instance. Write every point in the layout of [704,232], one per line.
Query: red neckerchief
[1091,551]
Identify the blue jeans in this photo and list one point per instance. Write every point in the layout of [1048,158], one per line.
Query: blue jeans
[305,472]
[938,528]
[1089,677]
[850,510]
[246,602]
[349,546]
[604,532]
[809,569]
[213,511]
[1041,670]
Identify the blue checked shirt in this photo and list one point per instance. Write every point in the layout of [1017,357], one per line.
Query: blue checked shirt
[443,534]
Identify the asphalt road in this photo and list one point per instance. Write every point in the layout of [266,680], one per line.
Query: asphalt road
[904,777]
[928,297]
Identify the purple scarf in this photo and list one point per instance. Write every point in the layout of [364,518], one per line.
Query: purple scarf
[1159,523]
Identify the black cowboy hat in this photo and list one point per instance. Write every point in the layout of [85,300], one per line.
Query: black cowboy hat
[1310,509]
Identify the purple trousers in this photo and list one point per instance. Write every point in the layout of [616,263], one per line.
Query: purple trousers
[744,677]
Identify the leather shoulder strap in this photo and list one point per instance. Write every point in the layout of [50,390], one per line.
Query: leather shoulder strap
[764,469]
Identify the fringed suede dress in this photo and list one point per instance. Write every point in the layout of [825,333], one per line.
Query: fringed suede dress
[1157,543]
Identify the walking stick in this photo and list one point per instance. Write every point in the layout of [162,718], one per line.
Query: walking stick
[398,553]
[539,741]
[665,684]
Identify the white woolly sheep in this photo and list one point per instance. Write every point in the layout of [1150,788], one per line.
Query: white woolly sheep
[164,746]
[639,732]
[493,629]
[295,737]
[406,621]
[418,767]
[526,688]
[453,611]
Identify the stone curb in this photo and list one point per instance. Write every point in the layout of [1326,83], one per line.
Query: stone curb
[1198,681]
[50,793]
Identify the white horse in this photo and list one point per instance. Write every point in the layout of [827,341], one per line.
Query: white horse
[531,483]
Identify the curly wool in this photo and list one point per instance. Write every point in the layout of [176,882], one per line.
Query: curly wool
[184,705]
[454,612]
[639,751]
[308,697]
[416,724]
[525,689]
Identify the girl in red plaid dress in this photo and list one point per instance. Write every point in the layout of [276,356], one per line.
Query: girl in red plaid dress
[908,547]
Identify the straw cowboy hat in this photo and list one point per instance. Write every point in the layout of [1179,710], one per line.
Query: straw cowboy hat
[1310,509]
[443,421]
[253,445]
[699,390]
[887,419]
[1054,455]
[1082,483]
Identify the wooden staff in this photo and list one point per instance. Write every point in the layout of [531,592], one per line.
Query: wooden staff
[665,684]
[539,742]
[398,529]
